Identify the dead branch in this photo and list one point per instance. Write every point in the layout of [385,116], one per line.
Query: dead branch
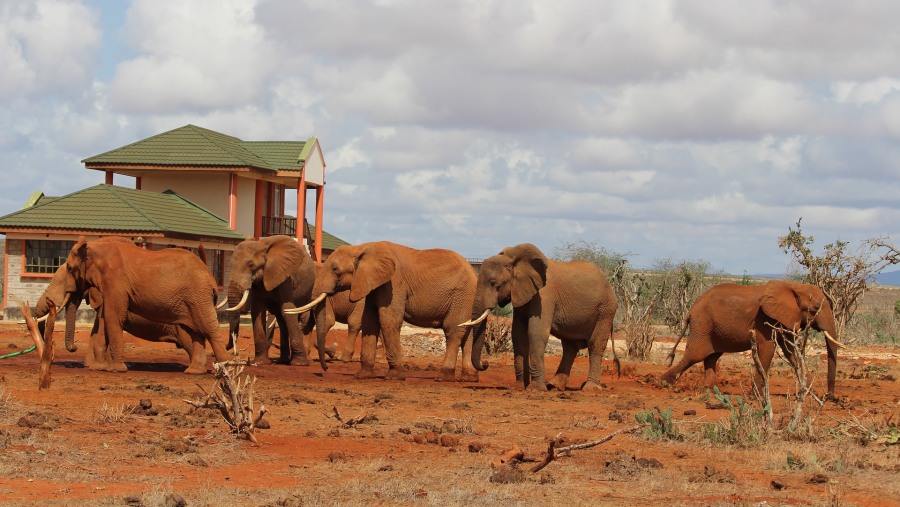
[764,395]
[553,452]
[44,345]
[232,396]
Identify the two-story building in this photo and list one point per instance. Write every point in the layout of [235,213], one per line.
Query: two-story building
[193,186]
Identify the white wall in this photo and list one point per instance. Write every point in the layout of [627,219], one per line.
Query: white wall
[209,190]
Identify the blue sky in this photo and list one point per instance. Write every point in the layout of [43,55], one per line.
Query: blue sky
[663,129]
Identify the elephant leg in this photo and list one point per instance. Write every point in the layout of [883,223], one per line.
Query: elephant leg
[538,334]
[296,349]
[453,339]
[709,365]
[96,339]
[697,349]
[766,350]
[570,350]
[520,350]
[112,323]
[390,334]
[197,353]
[596,346]
[258,323]
[469,373]
[354,323]
[370,330]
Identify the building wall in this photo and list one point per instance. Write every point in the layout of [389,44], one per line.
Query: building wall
[211,191]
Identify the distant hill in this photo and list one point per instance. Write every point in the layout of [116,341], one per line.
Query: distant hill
[889,278]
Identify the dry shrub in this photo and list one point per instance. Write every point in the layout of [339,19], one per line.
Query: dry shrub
[498,334]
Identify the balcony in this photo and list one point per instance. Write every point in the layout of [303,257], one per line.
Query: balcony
[279,225]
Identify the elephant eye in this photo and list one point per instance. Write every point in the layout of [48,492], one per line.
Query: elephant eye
[494,283]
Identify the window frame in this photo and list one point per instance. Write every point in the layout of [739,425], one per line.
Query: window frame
[27,266]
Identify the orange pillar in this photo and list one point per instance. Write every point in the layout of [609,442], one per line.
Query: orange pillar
[109,177]
[257,210]
[232,201]
[320,208]
[137,182]
[301,207]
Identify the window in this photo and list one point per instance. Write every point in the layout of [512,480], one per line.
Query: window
[44,256]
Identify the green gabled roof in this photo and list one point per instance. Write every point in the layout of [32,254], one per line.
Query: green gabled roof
[329,241]
[196,146]
[106,208]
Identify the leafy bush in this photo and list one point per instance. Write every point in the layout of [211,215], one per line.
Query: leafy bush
[659,424]
[745,426]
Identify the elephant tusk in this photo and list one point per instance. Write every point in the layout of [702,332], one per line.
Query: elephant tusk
[65,300]
[476,321]
[240,303]
[42,319]
[305,308]
[832,340]
[271,325]
[222,304]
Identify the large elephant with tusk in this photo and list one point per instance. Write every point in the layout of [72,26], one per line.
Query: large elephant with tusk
[55,296]
[274,274]
[166,286]
[723,318]
[427,288]
[572,300]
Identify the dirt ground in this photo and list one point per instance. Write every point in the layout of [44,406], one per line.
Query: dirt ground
[99,438]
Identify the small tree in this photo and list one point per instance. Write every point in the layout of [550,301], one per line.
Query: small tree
[844,276]
[679,286]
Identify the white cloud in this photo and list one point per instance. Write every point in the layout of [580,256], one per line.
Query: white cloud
[46,46]
[195,56]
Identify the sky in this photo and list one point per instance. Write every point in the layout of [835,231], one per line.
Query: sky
[682,130]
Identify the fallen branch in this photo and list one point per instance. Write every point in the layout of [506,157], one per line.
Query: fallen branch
[553,452]
[44,345]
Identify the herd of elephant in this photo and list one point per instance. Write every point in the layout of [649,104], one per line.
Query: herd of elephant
[170,295]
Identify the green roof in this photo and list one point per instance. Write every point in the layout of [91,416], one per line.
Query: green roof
[196,146]
[107,208]
[329,241]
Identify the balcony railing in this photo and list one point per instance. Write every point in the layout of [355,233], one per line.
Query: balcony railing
[279,225]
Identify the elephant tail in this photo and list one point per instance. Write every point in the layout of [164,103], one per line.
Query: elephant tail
[687,323]
[612,342]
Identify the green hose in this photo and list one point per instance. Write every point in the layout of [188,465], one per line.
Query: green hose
[19,353]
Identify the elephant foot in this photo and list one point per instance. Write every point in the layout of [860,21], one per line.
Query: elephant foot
[346,357]
[395,374]
[113,367]
[537,386]
[468,376]
[667,380]
[590,385]
[558,382]
[446,375]
[196,370]
[365,372]
[299,361]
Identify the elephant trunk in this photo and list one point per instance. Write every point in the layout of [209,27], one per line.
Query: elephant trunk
[825,322]
[71,310]
[41,308]
[478,335]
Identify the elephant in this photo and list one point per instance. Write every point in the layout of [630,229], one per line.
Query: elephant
[572,300]
[276,274]
[134,324]
[724,317]
[170,286]
[428,288]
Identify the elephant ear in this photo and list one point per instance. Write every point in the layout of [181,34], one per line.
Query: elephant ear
[283,257]
[780,302]
[94,298]
[529,272]
[75,263]
[375,265]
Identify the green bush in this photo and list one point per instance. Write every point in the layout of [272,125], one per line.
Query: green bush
[745,426]
[659,424]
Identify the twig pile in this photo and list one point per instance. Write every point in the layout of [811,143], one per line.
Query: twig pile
[554,452]
[233,397]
